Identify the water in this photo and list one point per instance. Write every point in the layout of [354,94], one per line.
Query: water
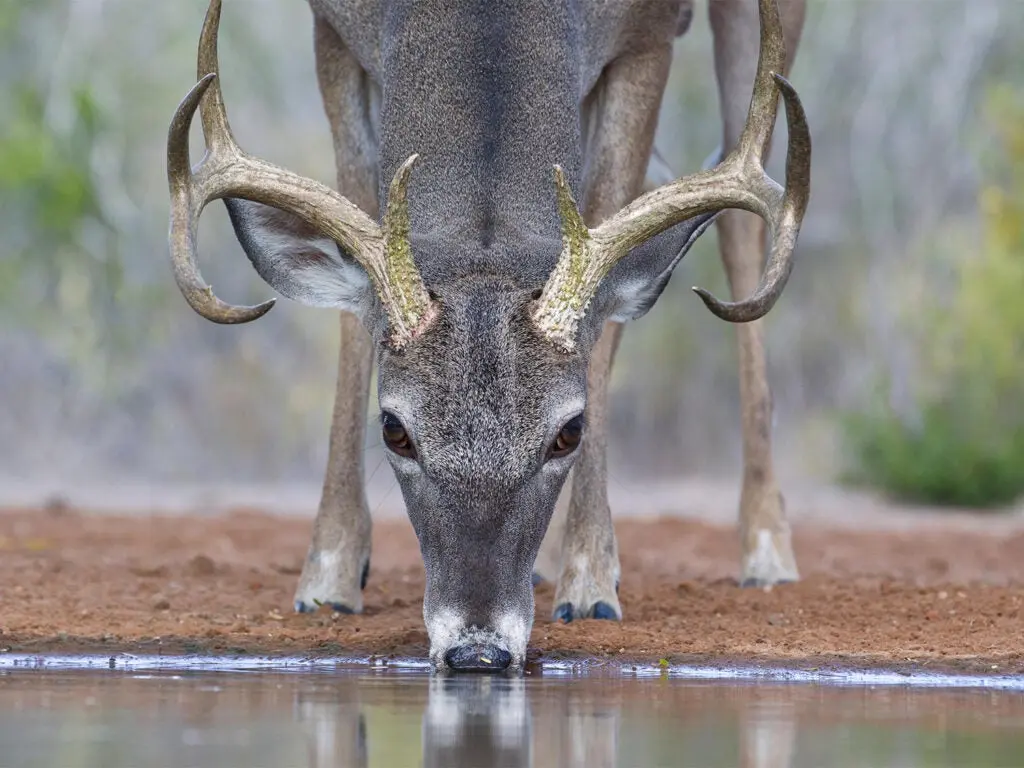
[73,718]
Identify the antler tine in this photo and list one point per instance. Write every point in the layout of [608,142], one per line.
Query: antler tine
[739,181]
[764,100]
[214,117]
[226,171]
[785,222]
[187,200]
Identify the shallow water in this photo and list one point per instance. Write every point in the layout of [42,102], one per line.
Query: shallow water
[75,718]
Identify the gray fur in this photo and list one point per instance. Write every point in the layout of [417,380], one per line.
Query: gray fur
[297,261]
[491,95]
[483,396]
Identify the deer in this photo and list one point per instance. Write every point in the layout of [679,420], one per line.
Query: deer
[490,300]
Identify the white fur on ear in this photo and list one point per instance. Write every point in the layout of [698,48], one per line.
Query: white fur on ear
[645,271]
[318,275]
[634,300]
[297,261]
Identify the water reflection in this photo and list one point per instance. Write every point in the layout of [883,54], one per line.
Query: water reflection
[264,719]
[474,721]
[334,730]
[767,734]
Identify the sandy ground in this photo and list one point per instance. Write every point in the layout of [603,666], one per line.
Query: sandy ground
[928,596]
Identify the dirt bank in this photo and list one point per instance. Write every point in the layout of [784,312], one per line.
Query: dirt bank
[928,598]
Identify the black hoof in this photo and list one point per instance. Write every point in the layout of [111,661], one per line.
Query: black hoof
[366,575]
[303,607]
[563,613]
[602,610]
[536,579]
[746,583]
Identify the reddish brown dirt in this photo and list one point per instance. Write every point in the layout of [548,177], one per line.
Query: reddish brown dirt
[927,599]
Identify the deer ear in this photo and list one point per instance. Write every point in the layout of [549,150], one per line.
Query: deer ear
[297,261]
[637,281]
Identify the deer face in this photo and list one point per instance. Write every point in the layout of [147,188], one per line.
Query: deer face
[482,418]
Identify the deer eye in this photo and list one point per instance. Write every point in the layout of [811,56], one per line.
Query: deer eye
[568,439]
[395,436]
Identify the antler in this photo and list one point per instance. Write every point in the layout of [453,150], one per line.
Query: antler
[739,181]
[226,171]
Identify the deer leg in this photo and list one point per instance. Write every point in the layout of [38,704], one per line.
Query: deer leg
[588,582]
[766,548]
[622,115]
[338,559]
[546,567]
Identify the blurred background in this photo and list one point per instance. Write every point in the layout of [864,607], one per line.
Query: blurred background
[895,353]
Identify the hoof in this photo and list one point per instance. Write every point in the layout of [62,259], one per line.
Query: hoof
[363,579]
[602,610]
[563,613]
[536,579]
[303,607]
[761,583]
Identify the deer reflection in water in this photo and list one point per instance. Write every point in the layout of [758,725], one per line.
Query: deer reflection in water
[498,721]
[122,719]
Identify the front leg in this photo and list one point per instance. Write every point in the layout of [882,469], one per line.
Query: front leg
[623,111]
[338,559]
[588,583]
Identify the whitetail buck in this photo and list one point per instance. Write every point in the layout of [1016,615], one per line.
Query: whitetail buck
[484,291]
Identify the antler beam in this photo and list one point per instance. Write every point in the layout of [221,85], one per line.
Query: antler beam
[226,171]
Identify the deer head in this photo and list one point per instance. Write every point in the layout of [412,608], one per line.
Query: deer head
[482,379]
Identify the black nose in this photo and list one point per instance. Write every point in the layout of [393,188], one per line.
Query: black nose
[478,658]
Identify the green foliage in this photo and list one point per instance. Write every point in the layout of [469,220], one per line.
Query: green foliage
[942,460]
[45,174]
[62,276]
[61,272]
[965,444]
